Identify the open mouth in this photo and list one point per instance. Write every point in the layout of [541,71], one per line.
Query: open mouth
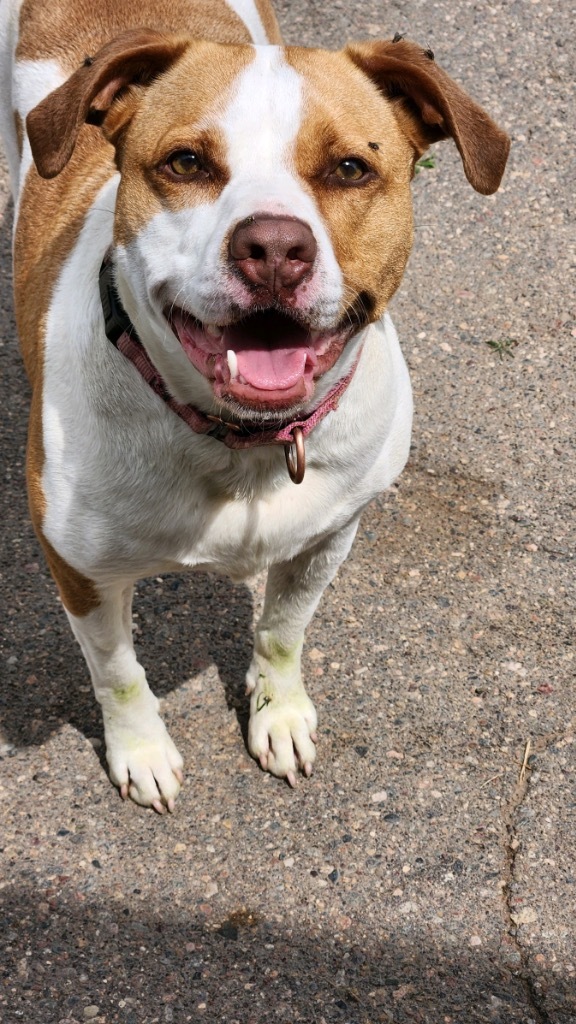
[267,360]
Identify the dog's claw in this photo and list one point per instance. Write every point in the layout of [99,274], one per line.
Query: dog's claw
[143,761]
[308,769]
[279,733]
[171,804]
[180,776]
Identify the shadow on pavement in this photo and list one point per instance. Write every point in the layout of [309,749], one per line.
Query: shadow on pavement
[65,953]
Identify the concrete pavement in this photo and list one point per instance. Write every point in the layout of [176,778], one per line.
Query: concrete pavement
[426,872]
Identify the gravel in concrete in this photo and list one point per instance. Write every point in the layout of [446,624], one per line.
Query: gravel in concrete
[426,872]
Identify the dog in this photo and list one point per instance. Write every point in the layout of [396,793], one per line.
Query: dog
[208,230]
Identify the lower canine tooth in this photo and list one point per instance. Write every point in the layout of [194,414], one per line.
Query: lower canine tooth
[232,362]
[213,330]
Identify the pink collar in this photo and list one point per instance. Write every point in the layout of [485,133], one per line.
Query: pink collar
[247,434]
[236,435]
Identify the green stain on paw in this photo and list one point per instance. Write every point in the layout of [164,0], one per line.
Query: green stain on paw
[278,666]
[124,694]
[281,657]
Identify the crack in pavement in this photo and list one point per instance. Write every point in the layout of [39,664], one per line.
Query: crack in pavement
[509,813]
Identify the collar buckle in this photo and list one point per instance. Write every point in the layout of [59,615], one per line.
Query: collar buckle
[221,427]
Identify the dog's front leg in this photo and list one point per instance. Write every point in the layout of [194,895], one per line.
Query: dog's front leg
[142,758]
[282,729]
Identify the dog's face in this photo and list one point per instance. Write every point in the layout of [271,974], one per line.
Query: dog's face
[263,213]
[255,219]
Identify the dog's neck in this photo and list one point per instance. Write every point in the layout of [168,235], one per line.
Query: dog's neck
[247,434]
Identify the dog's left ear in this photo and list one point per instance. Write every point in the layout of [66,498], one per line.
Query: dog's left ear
[430,106]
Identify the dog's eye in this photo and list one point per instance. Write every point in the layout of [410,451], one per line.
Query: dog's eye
[184,163]
[351,170]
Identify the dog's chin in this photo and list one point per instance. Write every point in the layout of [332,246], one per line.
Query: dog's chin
[265,365]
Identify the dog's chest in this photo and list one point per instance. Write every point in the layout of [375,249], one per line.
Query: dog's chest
[140,494]
[243,536]
[129,489]
[177,517]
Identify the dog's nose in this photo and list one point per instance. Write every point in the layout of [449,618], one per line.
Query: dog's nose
[276,252]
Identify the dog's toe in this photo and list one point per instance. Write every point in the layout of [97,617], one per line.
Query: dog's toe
[153,782]
[147,767]
[280,736]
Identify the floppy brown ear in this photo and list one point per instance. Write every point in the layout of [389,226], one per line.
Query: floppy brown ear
[138,55]
[431,106]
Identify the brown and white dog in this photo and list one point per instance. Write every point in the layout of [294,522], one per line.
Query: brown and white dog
[209,227]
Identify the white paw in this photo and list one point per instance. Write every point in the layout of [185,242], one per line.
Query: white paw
[143,761]
[282,732]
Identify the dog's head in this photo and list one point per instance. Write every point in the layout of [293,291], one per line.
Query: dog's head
[263,215]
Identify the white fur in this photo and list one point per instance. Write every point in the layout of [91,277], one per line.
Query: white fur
[142,758]
[248,12]
[131,491]
[9,13]
[33,80]
[29,83]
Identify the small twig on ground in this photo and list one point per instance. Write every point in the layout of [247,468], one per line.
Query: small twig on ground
[499,775]
[524,767]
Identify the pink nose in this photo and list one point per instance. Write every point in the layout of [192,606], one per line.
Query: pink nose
[276,253]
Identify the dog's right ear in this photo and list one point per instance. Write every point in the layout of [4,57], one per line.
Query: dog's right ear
[134,57]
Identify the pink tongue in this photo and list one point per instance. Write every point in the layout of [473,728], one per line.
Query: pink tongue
[272,369]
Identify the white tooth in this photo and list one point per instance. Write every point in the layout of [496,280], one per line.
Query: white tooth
[213,330]
[232,362]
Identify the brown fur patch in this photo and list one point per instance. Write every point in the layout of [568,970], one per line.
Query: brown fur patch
[85,26]
[50,218]
[370,224]
[51,215]
[79,594]
[178,111]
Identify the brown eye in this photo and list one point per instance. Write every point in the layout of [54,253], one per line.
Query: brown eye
[185,164]
[351,170]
